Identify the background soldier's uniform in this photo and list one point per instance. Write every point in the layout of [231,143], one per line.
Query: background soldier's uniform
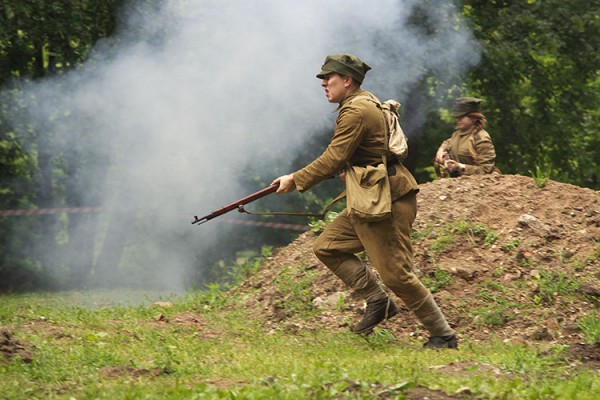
[474,149]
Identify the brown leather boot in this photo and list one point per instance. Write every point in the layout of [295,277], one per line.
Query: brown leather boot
[376,312]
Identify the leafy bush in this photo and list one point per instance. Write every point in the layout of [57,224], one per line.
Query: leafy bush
[318,225]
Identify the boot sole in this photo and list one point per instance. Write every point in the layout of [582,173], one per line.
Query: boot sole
[442,344]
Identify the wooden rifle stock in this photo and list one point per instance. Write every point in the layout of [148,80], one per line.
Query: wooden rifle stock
[236,204]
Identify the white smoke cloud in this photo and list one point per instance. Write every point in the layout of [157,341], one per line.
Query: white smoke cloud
[213,85]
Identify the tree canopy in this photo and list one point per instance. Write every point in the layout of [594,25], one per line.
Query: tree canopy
[540,77]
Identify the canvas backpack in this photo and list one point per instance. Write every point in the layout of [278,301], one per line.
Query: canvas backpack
[397,142]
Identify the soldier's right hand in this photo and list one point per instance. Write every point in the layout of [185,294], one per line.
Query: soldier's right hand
[441,155]
[286,184]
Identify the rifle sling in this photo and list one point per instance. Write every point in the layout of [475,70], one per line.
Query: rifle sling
[316,215]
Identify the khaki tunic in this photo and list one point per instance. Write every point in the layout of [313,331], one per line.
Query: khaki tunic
[359,137]
[473,149]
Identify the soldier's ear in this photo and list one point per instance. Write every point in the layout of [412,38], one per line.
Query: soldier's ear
[348,81]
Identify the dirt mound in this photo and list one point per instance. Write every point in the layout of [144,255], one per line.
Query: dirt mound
[502,257]
[11,348]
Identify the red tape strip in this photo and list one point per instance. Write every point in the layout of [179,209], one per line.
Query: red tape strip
[80,210]
[40,211]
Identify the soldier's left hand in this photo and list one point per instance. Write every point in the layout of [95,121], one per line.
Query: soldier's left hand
[452,165]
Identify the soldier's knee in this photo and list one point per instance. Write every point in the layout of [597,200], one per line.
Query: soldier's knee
[401,280]
[319,248]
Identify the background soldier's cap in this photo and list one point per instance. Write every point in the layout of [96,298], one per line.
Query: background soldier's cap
[466,105]
[344,64]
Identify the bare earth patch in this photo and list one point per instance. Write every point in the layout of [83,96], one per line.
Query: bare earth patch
[224,383]
[588,354]
[11,348]
[471,368]
[190,319]
[422,393]
[120,371]
[380,391]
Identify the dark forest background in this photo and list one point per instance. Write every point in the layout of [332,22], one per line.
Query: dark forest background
[539,75]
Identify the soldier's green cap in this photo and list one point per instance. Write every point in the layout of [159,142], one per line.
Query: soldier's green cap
[466,105]
[344,64]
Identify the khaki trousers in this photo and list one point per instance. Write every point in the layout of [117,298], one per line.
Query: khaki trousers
[389,246]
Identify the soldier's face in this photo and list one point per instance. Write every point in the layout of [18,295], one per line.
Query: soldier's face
[336,87]
[463,123]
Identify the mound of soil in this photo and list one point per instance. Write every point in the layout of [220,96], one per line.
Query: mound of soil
[11,348]
[502,257]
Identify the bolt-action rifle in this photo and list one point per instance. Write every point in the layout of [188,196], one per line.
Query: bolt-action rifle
[236,205]
[239,205]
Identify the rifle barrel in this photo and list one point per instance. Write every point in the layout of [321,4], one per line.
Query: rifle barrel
[233,206]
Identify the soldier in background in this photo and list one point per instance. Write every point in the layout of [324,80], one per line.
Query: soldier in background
[470,150]
[359,137]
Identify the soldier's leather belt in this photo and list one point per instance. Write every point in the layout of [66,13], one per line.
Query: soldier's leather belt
[391,166]
[391,169]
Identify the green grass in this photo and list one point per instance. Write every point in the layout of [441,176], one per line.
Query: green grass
[436,280]
[296,286]
[450,232]
[554,283]
[511,244]
[541,176]
[227,354]
[590,325]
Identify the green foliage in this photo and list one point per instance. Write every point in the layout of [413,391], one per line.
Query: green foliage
[247,263]
[436,280]
[319,225]
[497,309]
[212,296]
[381,338]
[492,316]
[295,284]
[590,326]
[441,242]
[476,230]
[417,235]
[447,234]
[511,244]
[589,259]
[341,303]
[541,177]
[539,77]
[37,37]
[554,283]
[490,238]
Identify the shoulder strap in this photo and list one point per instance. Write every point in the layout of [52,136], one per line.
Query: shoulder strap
[365,97]
[379,105]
